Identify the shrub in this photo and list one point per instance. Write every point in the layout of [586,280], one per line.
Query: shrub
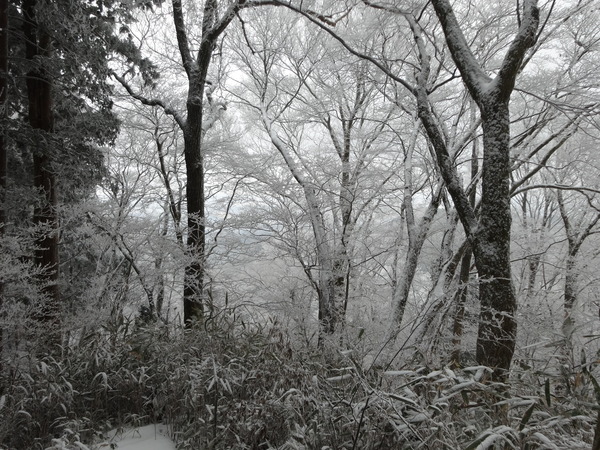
[227,385]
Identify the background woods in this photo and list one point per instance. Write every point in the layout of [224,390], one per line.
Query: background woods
[300,224]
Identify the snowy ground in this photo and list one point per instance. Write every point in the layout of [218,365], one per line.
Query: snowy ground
[150,437]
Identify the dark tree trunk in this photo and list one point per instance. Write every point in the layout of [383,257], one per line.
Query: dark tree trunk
[196,70]
[488,234]
[193,307]
[497,325]
[159,286]
[3,141]
[39,92]
[3,112]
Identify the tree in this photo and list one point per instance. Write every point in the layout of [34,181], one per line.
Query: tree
[489,231]
[325,117]
[215,20]
[3,143]
[38,48]
[576,195]
[58,114]
[488,234]
[3,113]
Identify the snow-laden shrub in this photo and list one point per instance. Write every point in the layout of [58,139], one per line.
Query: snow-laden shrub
[54,398]
[226,385]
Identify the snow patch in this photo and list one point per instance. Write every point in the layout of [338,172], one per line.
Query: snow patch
[150,437]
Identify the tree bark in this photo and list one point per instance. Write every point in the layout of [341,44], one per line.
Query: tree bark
[193,307]
[341,265]
[38,48]
[491,248]
[3,147]
[197,71]
[3,114]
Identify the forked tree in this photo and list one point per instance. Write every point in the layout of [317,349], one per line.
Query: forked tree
[488,229]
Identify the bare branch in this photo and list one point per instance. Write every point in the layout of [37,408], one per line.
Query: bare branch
[151,102]
[182,40]
[227,211]
[320,21]
[525,39]
[547,156]
[328,20]
[444,159]
[563,187]
[471,71]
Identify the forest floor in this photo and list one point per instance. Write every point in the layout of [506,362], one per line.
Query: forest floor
[149,437]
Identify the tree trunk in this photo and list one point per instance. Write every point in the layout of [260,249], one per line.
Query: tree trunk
[489,234]
[439,277]
[341,265]
[159,286]
[196,70]
[460,299]
[570,291]
[570,297]
[575,239]
[39,91]
[328,310]
[3,144]
[193,307]
[491,243]
[193,132]
[3,114]
[416,238]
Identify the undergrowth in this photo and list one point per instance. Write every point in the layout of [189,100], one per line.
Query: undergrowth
[228,386]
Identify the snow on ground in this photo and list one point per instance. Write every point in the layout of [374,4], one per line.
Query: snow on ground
[150,437]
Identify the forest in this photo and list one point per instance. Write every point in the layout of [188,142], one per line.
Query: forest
[300,224]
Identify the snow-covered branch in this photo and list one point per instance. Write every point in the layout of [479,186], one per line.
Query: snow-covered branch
[150,101]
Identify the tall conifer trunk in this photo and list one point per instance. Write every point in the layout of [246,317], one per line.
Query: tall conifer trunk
[38,48]
[3,140]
